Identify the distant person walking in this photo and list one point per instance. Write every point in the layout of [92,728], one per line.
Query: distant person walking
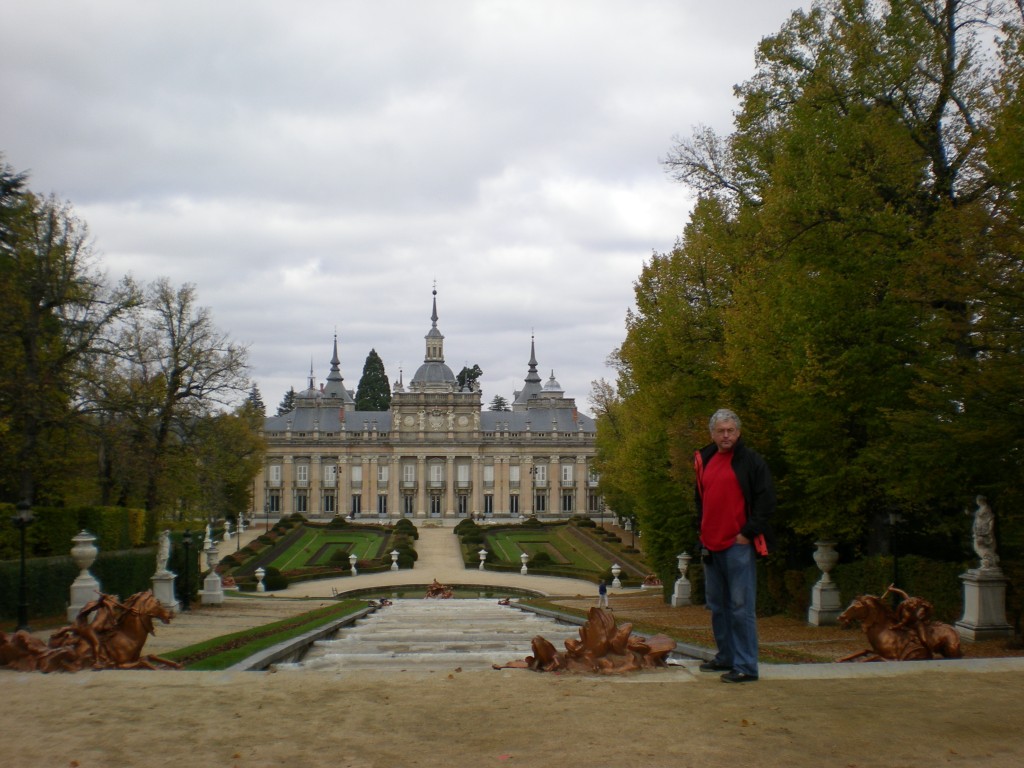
[735,500]
[602,595]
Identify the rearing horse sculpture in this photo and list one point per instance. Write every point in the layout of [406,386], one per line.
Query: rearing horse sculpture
[895,637]
[106,634]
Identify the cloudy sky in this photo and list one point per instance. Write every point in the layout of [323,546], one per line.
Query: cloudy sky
[314,167]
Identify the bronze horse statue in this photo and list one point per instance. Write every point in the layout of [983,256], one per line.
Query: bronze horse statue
[904,635]
[602,648]
[106,634]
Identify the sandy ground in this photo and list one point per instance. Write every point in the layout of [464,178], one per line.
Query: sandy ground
[674,717]
[679,717]
[506,718]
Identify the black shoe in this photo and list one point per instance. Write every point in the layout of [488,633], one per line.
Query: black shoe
[714,666]
[738,677]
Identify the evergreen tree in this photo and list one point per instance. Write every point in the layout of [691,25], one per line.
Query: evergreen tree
[498,403]
[255,399]
[374,390]
[287,404]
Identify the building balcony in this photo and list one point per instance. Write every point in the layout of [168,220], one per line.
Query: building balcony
[328,483]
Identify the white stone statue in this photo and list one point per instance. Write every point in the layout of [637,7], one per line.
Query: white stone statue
[163,552]
[984,532]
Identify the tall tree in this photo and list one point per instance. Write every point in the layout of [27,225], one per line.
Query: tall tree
[849,280]
[374,390]
[255,399]
[56,310]
[174,368]
[287,404]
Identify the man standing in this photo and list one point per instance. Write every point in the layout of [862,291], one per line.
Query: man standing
[735,500]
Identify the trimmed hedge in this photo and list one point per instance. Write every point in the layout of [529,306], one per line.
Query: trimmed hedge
[51,531]
[49,580]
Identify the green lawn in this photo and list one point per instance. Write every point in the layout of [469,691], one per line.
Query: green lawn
[318,545]
[566,548]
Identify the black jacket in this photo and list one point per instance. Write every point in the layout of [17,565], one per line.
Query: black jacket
[756,484]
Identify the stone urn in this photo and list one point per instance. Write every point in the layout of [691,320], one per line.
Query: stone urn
[826,557]
[84,551]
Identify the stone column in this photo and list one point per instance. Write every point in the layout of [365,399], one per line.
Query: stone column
[825,606]
[449,487]
[85,587]
[422,508]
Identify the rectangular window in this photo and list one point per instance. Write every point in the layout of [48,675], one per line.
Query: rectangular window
[275,474]
[409,473]
[330,475]
[408,505]
[567,503]
[567,473]
[275,502]
[301,504]
[489,474]
[513,504]
[357,504]
[540,473]
[302,474]
[357,475]
[488,504]
[329,503]
[540,503]
[462,473]
[463,504]
[437,473]
[382,473]
[435,505]
[513,473]
[593,504]
[382,505]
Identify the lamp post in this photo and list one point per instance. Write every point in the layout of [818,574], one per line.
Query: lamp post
[483,556]
[186,543]
[22,519]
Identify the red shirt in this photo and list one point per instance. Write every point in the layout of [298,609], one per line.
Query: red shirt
[725,511]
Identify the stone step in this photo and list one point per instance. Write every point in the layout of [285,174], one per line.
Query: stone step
[435,634]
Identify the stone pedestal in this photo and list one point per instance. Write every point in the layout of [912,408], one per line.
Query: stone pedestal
[85,588]
[825,605]
[984,605]
[163,590]
[681,595]
[212,592]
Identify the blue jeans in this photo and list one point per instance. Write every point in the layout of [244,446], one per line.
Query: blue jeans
[730,588]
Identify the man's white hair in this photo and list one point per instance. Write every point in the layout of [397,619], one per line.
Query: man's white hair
[723,414]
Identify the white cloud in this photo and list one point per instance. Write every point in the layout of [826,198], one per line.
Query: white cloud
[314,166]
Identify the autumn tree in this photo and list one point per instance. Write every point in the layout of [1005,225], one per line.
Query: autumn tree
[849,279]
[174,368]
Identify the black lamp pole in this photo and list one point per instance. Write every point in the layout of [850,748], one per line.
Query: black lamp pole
[22,519]
[186,542]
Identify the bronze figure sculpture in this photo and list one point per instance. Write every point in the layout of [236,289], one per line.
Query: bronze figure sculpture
[602,648]
[438,591]
[904,634]
[106,634]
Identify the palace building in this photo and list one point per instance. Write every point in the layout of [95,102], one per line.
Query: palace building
[434,454]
